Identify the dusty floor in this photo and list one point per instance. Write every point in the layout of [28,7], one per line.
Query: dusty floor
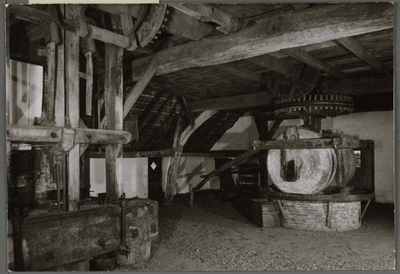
[213,236]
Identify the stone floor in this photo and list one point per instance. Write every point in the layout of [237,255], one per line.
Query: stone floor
[214,236]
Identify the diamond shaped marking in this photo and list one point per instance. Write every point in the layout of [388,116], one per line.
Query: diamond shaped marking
[153,166]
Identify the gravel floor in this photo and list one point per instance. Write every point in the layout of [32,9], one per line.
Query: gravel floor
[213,236]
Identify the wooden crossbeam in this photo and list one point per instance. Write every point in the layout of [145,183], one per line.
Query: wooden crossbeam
[241,72]
[351,44]
[211,13]
[139,87]
[340,143]
[275,34]
[312,61]
[45,134]
[233,102]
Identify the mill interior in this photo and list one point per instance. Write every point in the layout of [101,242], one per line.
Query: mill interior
[118,113]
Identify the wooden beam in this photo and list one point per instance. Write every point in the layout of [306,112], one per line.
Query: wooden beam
[201,119]
[134,94]
[271,63]
[250,100]
[337,143]
[172,173]
[72,107]
[113,93]
[193,29]
[275,34]
[45,134]
[189,110]
[215,172]
[367,85]
[211,13]
[351,44]
[310,60]
[241,72]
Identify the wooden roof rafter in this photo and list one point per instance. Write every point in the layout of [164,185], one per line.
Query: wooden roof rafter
[274,34]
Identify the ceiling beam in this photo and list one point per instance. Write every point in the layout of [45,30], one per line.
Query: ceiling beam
[352,45]
[211,13]
[368,85]
[233,102]
[240,72]
[286,31]
[312,61]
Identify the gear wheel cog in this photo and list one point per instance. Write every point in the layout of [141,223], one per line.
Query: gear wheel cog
[314,105]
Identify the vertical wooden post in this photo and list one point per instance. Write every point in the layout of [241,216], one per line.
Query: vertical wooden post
[262,127]
[173,167]
[113,93]
[72,105]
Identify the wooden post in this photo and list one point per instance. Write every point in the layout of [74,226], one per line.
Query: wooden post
[113,93]
[72,107]
[175,161]
[262,127]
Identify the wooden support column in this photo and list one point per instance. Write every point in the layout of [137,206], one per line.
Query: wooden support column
[262,128]
[72,107]
[174,164]
[113,93]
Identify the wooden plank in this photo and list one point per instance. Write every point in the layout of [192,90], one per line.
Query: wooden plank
[53,240]
[113,92]
[211,13]
[276,34]
[351,44]
[271,63]
[310,60]
[241,72]
[307,144]
[366,85]
[139,87]
[250,100]
[72,107]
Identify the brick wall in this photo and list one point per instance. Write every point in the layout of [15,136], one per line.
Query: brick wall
[313,216]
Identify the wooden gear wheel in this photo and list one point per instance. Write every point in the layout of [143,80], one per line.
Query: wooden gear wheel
[314,105]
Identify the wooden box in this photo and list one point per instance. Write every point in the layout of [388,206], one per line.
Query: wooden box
[264,213]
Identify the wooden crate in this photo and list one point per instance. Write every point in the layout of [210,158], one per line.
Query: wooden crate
[264,213]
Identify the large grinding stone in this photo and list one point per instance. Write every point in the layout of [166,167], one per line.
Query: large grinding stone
[314,169]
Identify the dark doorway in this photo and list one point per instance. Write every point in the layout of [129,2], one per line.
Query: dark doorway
[155,179]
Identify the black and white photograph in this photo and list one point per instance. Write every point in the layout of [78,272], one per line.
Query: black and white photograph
[200,137]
